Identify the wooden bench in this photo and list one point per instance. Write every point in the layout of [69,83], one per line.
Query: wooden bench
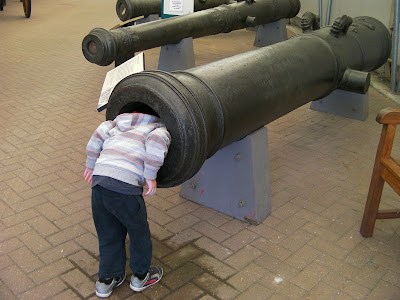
[385,169]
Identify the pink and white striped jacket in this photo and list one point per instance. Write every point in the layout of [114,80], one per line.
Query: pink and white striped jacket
[131,148]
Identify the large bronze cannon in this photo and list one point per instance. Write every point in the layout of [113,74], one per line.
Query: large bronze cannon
[211,106]
[103,46]
[129,9]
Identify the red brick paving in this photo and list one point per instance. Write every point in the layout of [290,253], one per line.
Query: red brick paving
[309,248]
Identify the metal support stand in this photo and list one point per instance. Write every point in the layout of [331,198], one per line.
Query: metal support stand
[178,56]
[271,33]
[236,180]
[149,18]
[343,103]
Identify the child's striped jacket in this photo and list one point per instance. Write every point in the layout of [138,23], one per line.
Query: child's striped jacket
[131,148]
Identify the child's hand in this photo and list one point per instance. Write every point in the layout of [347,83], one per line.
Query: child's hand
[151,186]
[88,175]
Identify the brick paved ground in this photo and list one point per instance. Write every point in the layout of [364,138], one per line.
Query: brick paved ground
[309,248]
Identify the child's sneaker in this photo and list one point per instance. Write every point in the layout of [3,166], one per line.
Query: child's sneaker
[104,287]
[153,276]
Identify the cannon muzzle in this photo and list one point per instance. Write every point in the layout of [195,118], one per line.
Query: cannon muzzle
[211,106]
[129,9]
[103,46]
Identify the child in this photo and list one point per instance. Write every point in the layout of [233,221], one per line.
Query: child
[124,155]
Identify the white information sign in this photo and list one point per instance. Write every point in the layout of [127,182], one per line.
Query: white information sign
[114,76]
[178,7]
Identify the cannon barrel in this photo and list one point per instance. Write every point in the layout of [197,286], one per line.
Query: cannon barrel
[211,106]
[129,9]
[103,46]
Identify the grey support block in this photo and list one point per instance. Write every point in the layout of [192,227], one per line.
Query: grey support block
[271,33]
[343,103]
[236,180]
[178,56]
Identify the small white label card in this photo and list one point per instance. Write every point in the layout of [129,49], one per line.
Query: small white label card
[178,7]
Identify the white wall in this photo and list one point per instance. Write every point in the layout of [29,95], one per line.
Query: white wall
[379,9]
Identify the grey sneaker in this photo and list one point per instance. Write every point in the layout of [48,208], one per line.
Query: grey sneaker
[104,287]
[153,276]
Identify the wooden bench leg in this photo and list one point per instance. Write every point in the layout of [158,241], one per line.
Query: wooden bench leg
[372,205]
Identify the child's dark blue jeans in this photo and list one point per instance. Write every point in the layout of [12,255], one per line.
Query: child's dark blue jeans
[114,215]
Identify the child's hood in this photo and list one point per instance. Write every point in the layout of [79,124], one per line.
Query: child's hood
[129,120]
